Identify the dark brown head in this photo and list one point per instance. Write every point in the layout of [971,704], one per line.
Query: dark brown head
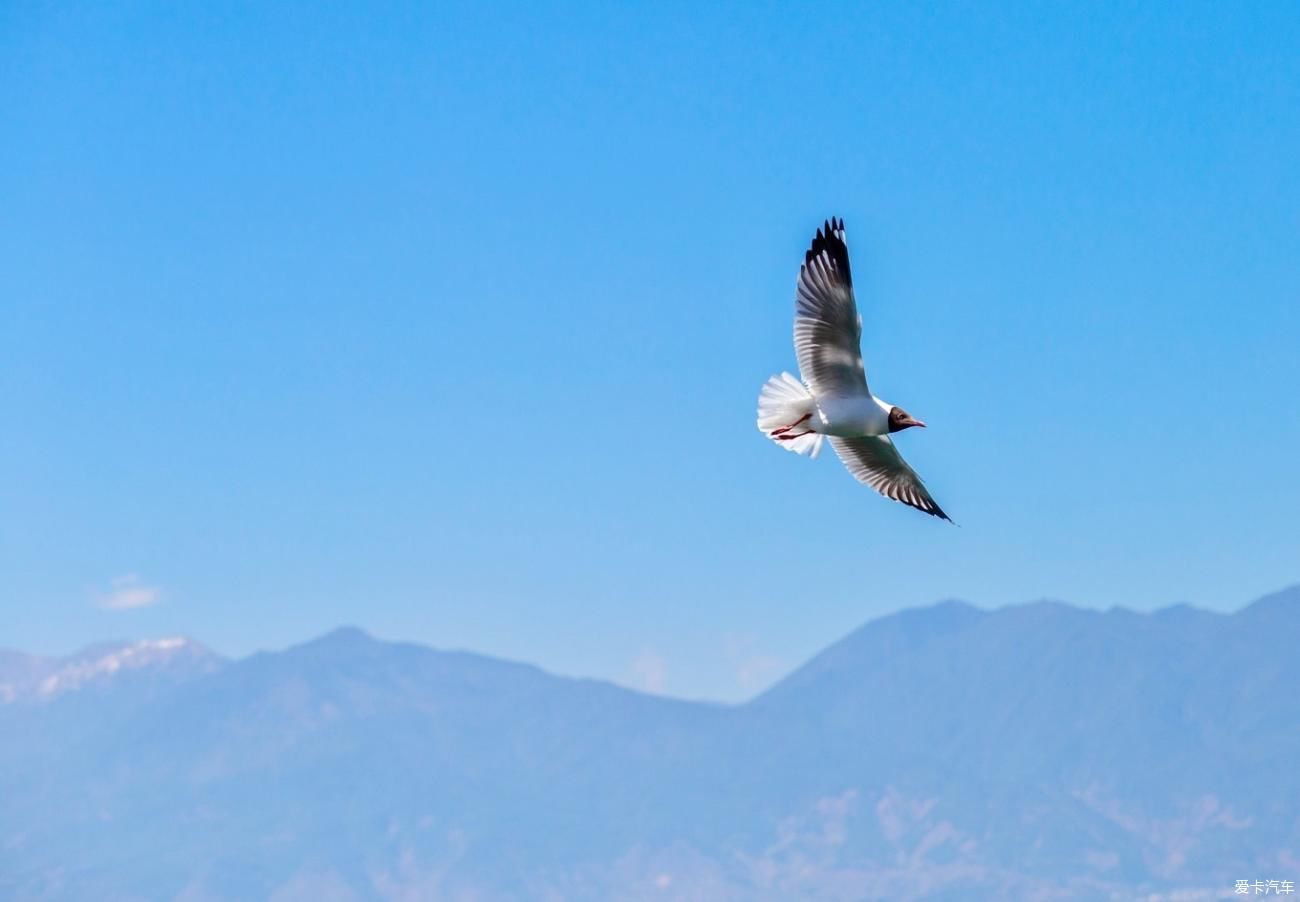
[900,419]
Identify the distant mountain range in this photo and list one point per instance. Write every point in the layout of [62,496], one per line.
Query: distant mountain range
[1032,752]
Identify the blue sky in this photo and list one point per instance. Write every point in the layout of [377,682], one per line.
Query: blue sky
[448,320]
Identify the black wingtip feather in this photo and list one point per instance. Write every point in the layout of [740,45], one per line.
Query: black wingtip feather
[828,239]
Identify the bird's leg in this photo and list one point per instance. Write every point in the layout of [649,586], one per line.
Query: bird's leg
[789,437]
[780,431]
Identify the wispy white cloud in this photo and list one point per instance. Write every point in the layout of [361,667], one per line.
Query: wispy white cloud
[650,671]
[752,669]
[128,592]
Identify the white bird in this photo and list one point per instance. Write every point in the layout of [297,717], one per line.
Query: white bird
[833,400]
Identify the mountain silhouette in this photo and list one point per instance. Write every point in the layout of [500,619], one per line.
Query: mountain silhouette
[1036,751]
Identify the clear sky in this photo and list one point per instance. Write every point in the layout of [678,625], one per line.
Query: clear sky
[448,320]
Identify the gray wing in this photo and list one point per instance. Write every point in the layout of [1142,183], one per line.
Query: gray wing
[875,461]
[827,328]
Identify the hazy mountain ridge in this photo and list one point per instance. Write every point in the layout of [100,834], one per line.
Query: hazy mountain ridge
[40,678]
[1038,751]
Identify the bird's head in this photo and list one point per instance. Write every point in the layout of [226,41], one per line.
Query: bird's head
[900,419]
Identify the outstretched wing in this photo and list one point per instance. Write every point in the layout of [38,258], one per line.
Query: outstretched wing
[875,461]
[827,328]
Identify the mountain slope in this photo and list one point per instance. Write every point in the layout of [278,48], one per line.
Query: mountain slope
[1055,740]
[34,679]
[1038,751]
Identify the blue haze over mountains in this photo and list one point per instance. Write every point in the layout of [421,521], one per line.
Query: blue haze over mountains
[1033,752]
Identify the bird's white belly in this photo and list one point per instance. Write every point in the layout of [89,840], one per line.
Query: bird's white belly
[851,417]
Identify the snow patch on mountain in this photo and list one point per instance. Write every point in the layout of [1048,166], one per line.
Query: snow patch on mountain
[43,679]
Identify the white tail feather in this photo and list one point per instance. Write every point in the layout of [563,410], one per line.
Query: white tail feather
[783,402]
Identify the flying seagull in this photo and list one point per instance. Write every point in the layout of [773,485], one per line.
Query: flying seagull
[833,400]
